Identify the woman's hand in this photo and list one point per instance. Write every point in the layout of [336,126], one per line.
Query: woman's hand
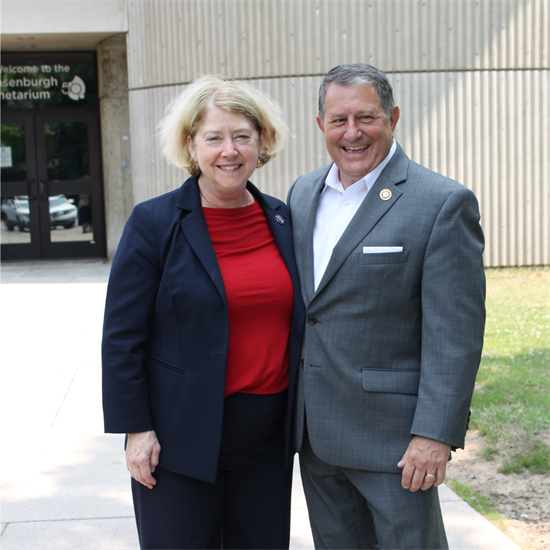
[142,456]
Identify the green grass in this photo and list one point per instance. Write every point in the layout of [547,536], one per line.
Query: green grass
[489,452]
[482,504]
[537,460]
[511,403]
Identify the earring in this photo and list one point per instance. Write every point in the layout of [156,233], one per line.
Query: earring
[259,163]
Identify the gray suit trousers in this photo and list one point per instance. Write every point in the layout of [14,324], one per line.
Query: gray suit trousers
[356,509]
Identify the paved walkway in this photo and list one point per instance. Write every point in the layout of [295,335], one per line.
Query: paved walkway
[64,483]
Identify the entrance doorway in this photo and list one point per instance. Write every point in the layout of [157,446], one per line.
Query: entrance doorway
[52,203]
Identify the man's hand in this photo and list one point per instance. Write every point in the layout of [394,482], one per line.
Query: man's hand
[424,463]
[142,456]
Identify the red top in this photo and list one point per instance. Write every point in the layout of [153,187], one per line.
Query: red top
[259,298]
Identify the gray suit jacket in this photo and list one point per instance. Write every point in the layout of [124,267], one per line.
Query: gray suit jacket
[392,341]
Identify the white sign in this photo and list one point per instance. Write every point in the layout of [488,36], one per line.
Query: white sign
[5,156]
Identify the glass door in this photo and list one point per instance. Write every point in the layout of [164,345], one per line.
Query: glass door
[57,189]
[69,185]
[19,231]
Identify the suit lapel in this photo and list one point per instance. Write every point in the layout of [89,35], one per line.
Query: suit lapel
[373,208]
[194,227]
[307,252]
[282,232]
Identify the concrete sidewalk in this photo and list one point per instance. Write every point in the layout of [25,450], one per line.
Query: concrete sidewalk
[64,483]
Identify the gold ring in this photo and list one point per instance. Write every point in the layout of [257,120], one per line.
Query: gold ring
[430,475]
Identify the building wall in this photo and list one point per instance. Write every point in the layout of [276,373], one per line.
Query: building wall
[63,16]
[115,137]
[471,78]
[53,25]
[87,25]
[172,42]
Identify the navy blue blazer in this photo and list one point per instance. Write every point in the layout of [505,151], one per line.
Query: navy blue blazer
[165,334]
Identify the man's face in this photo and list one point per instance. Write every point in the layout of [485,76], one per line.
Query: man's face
[358,133]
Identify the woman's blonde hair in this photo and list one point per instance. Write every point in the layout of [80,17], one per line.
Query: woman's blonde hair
[186,112]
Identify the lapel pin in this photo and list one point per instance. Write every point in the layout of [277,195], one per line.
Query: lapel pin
[280,219]
[385,194]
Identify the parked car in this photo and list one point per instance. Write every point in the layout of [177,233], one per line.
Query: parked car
[62,212]
[15,212]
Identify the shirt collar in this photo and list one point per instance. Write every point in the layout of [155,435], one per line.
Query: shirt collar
[333,176]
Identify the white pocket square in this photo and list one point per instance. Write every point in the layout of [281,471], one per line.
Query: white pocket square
[381,249]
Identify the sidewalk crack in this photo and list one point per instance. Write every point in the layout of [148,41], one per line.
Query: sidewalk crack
[64,397]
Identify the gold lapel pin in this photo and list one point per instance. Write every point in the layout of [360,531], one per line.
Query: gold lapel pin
[385,194]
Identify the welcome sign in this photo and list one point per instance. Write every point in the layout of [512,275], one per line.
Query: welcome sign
[39,81]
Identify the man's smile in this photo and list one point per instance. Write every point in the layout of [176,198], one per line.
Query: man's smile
[361,148]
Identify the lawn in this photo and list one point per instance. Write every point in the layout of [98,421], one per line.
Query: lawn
[511,403]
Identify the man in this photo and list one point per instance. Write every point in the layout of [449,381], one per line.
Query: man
[390,261]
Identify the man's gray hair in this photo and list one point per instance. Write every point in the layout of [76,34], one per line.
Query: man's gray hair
[358,73]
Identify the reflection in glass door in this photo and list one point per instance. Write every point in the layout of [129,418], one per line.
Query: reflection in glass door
[68,161]
[52,207]
[19,205]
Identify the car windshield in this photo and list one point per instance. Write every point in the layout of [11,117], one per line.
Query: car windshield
[58,201]
[23,203]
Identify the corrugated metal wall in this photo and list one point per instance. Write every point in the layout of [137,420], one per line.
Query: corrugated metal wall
[471,77]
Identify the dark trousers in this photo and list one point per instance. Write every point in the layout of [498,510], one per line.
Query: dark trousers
[248,506]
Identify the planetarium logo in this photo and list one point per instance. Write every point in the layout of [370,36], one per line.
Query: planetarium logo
[75,89]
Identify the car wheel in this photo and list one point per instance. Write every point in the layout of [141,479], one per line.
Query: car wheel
[9,226]
[69,225]
[20,226]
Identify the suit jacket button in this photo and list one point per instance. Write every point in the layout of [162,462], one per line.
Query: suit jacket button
[311,320]
[301,363]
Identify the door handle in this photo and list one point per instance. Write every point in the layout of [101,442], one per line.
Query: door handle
[29,193]
[44,190]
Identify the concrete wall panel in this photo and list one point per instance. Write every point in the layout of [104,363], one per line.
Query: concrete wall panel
[486,129]
[62,16]
[152,175]
[173,42]
[115,137]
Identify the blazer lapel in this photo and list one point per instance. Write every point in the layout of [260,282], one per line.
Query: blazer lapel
[194,227]
[282,232]
[307,252]
[373,208]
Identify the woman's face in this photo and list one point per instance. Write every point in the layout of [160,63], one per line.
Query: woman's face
[226,148]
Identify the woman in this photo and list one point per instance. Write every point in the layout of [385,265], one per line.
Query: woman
[202,333]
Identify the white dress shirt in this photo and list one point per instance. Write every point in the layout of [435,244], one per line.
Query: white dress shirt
[336,208]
